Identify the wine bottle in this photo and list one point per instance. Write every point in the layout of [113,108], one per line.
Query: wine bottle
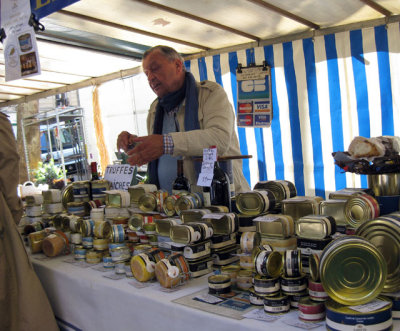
[181,183]
[220,188]
[93,170]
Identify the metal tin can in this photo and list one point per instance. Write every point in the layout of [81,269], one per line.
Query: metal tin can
[108,262]
[313,264]
[292,263]
[86,228]
[266,285]
[200,267]
[228,255]
[193,215]
[300,206]
[249,240]
[137,221]
[163,225]
[34,200]
[117,234]
[185,233]
[342,317]
[352,270]
[219,284]
[77,208]
[347,193]
[87,242]
[100,244]
[317,291]
[311,311]
[384,233]
[279,304]
[282,189]
[279,244]
[224,240]
[80,189]
[93,257]
[255,298]
[255,202]
[311,246]
[384,184]
[295,298]
[169,204]
[246,223]
[196,251]
[315,226]
[232,271]
[244,280]
[275,225]
[291,285]
[395,298]
[117,198]
[102,229]
[268,263]
[334,208]
[222,223]
[359,209]
[33,211]
[35,240]
[80,253]
[51,196]
[98,188]
[138,190]
[53,208]
[172,271]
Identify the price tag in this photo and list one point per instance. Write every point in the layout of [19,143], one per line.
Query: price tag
[266,218]
[214,216]
[260,315]
[205,179]
[209,154]
[208,298]
[207,167]
[370,306]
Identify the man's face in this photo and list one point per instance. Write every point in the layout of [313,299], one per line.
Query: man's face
[164,76]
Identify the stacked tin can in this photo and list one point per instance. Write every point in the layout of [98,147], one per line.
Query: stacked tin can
[314,233]
[52,202]
[33,208]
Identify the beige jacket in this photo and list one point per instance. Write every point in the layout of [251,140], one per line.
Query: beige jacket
[23,303]
[217,127]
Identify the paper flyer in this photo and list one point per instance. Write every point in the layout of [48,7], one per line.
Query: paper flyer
[20,49]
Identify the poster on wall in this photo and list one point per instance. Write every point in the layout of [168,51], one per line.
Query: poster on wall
[254,96]
[20,49]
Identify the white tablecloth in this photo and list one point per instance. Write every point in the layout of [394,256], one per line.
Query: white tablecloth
[85,300]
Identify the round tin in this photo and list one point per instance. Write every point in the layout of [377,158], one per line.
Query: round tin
[169,204]
[359,209]
[132,236]
[149,228]
[292,285]
[117,234]
[35,240]
[292,263]
[282,189]
[295,298]
[53,208]
[34,200]
[92,257]
[246,261]
[255,299]
[97,214]
[311,311]
[143,264]
[108,262]
[76,238]
[225,256]
[232,271]
[244,279]
[395,298]
[87,242]
[121,253]
[277,305]
[352,270]
[80,253]
[100,244]
[384,234]
[119,268]
[86,228]
[173,270]
[268,263]
[313,264]
[266,285]
[219,284]
[33,211]
[102,229]
[341,317]
[317,291]
[137,221]
[249,240]
[51,196]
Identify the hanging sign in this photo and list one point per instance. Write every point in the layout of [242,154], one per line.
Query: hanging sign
[254,96]
[119,175]
[42,8]
[207,167]
[20,49]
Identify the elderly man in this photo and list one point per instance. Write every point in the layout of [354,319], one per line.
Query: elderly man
[186,117]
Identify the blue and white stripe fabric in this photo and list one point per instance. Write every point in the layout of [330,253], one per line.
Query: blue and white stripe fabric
[325,91]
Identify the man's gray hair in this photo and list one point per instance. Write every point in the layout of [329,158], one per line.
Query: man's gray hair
[170,53]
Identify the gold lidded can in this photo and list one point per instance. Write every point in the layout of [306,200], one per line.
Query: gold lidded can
[117,198]
[249,240]
[188,201]
[255,202]
[352,270]
[98,188]
[268,263]
[163,225]
[359,209]
[278,304]
[232,271]
[275,225]
[343,317]
[334,208]
[315,226]
[169,204]
[300,206]
[384,233]
[185,233]
[292,263]
[137,221]
[51,196]
[219,284]
[347,193]
[282,189]
[136,191]
[34,200]
[193,215]
[222,223]
[102,229]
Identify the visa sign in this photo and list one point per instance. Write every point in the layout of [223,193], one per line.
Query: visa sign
[42,8]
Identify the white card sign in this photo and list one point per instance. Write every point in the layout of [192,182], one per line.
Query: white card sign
[119,175]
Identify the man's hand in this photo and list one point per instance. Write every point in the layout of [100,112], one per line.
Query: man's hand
[125,140]
[148,148]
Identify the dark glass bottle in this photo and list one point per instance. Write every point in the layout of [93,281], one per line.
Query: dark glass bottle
[93,170]
[220,188]
[181,183]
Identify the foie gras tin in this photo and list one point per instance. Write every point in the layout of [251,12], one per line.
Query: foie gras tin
[266,285]
[311,311]
[255,202]
[200,267]
[275,225]
[352,270]
[334,208]
[300,206]
[342,317]
[315,226]
[279,304]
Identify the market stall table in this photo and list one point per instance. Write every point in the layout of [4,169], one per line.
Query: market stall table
[85,300]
